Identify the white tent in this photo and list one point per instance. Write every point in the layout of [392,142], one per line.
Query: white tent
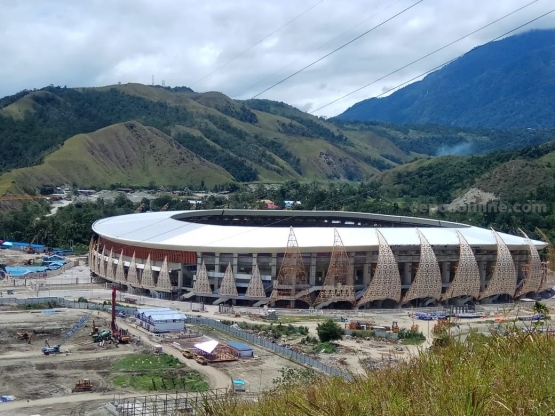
[208,347]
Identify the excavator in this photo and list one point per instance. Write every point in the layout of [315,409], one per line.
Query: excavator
[29,249]
[47,350]
[82,385]
[94,329]
[25,336]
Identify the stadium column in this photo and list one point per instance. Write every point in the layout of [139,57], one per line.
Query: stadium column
[482,266]
[407,273]
[235,261]
[180,277]
[352,265]
[274,266]
[312,275]
[217,263]
[445,272]
[366,269]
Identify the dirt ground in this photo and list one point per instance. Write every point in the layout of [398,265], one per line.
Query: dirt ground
[45,382]
[258,372]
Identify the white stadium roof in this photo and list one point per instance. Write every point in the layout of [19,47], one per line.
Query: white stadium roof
[182,230]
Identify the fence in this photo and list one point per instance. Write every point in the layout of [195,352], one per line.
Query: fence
[66,303]
[283,351]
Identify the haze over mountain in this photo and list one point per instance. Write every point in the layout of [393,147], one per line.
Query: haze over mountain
[508,83]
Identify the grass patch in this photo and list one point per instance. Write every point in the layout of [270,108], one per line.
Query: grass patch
[296,319]
[412,341]
[162,381]
[325,348]
[148,362]
[276,330]
[31,306]
[149,372]
[485,375]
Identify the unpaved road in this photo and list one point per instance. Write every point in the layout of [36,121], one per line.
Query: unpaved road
[32,358]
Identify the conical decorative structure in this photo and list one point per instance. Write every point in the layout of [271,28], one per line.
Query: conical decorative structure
[550,250]
[256,287]
[467,276]
[132,277]
[503,281]
[548,275]
[427,282]
[534,270]
[202,284]
[386,282]
[164,281]
[339,284]
[102,265]
[291,282]
[120,272]
[147,278]
[228,288]
[110,265]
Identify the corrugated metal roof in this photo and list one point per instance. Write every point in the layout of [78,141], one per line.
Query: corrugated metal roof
[166,317]
[207,346]
[239,346]
[143,310]
[161,230]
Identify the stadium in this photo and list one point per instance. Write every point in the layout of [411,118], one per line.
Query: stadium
[316,259]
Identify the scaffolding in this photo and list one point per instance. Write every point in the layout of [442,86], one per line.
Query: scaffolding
[202,284]
[386,282]
[164,281]
[467,275]
[291,282]
[102,264]
[255,290]
[533,272]
[503,281]
[339,284]
[228,287]
[166,404]
[548,276]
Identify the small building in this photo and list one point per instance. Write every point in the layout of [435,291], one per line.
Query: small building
[215,352]
[242,350]
[159,320]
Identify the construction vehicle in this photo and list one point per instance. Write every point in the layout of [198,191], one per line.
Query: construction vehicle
[94,329]
[201,360]
[22,336]
[82,385]
[50,350]
[29,249]
[395,327]
[124,337]
[103,336]
[187,354]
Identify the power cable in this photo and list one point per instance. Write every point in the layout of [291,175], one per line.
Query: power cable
[256,44]
[337,49]
[314,50]
[439,66]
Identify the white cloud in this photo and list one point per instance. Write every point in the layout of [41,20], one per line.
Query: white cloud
[63,42]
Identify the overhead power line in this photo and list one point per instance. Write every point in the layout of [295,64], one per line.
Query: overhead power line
[317,49]
[337,49]
[257,43]
[431,53]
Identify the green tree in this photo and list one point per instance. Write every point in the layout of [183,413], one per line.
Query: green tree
[329,331]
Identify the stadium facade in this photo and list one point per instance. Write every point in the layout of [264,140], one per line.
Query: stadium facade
[313,258]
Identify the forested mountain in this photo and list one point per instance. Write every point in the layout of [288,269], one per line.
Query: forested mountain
[137,135]
[507,83]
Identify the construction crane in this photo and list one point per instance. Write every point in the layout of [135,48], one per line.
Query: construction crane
[119,335]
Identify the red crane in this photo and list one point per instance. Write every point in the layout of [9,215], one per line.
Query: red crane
[121,335]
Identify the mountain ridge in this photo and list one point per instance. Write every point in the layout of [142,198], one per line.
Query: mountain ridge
[503,84]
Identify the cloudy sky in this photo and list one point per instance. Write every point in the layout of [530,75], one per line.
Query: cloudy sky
[101,42]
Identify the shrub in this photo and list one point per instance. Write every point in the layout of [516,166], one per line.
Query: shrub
[329,331]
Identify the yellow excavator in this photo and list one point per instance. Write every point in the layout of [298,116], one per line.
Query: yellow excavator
[29,249]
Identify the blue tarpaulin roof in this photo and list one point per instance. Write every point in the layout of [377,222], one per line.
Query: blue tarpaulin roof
[239,346]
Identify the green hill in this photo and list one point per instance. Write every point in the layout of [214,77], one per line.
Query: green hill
[241,141]
[245,141]
[516,175]
[122,153]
